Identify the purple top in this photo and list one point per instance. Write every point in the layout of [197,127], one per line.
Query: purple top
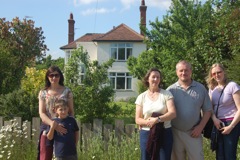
[227,108]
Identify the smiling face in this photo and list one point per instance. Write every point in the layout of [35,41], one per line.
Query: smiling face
[62,111]
[184,72]
[154,79]
[217,74]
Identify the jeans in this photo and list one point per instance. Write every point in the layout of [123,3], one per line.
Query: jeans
[227,144]
[165,151]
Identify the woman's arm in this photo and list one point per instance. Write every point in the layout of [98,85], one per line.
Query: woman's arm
[43,111]
[139,116]
[70,104]
[171,111]
[236,119]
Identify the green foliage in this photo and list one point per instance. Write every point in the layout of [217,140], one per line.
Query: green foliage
[33,81]
[199,33]
[45,63]
[20,43]
[92,92]
[19,103]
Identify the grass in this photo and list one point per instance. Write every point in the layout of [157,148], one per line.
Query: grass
[14,144]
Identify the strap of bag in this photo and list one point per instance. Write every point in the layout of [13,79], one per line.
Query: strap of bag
[219,100]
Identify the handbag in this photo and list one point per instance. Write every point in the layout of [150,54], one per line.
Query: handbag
[215,133]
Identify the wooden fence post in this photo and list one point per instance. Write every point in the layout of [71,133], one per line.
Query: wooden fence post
[129,129]
[18,120]
[119,128]
[35,129]
[1,122]
[107,131]
[86,133]
[97,127]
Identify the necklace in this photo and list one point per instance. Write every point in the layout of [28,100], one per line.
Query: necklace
[152,94]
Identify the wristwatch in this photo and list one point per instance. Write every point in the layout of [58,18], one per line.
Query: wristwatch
[159,120]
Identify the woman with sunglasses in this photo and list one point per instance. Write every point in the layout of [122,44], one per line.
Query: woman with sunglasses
[54,90]
[225,95]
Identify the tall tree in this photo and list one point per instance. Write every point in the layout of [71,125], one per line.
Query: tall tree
[20,42]
[190,31]
[90,85]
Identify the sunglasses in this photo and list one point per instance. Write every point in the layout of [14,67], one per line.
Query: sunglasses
[54,75]
[216,73]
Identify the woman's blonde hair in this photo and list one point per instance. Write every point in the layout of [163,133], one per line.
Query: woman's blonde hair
[211,82]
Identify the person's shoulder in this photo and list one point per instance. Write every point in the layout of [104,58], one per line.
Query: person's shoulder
[143,93]
[196,83]
[174,85]
[165,92]
[232,83]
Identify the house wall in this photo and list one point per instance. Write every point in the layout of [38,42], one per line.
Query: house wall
[90,47]
[101,52]
[104,49]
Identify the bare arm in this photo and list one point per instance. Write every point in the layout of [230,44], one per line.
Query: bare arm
[70,104]
[197,130]
[42,111]
[139,116]
[50,134]
[236,119]
[76,137]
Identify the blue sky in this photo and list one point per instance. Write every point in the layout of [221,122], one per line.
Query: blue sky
[91,16]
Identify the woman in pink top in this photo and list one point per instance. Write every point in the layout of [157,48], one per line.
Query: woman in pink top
[228,114]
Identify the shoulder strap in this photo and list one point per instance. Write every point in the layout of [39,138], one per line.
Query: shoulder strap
[219,100]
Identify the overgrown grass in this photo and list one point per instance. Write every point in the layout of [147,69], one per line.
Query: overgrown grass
[14,144]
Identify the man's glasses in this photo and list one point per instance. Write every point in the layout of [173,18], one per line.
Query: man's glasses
[54,75]
[216,73]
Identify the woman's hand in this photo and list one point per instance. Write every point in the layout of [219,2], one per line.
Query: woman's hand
[60,128]
[217,123]
[151,121]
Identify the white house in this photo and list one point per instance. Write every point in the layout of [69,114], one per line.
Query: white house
[118,43]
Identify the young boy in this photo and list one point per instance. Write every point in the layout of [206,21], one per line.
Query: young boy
[64,144]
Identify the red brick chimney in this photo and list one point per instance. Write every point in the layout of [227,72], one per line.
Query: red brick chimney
[71,29]
[143,10]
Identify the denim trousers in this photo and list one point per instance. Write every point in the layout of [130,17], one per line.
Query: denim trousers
[227,144]
[165,151]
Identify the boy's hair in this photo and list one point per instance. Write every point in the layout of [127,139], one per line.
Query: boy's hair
[60,103]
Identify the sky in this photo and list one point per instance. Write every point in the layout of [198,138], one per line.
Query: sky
[91,16]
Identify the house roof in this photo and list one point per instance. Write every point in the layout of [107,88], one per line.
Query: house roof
[121,33]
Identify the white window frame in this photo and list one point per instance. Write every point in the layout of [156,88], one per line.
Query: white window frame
[117,77]
[116,48]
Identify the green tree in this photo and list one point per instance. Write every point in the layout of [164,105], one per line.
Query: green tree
[92,92]
[19,103]
[20,43]
[191,31]
[45,63]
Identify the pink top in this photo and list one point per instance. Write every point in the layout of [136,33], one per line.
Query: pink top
[227,108]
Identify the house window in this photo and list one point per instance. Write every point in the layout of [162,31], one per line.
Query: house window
[121,51]
[120,80]
[82,71]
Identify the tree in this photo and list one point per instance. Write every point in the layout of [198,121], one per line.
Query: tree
[191,31]
[20,43]
[45,63]
[92,92]
[33,81]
